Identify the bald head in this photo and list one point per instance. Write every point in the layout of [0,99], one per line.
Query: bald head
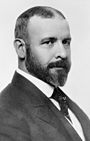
[24,18]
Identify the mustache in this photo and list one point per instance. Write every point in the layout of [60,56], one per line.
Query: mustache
[60,64]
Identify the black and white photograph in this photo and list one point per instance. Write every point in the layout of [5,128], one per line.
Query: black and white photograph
[45,70]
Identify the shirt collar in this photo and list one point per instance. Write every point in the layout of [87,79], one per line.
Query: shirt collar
[44,87]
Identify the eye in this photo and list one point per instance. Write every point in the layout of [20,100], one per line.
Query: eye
[66,42]
[49,42]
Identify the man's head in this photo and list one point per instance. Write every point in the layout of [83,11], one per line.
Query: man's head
[42,42]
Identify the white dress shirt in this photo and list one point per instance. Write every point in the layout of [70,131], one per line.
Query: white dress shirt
[48,90]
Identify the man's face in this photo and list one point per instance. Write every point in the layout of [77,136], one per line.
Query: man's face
[48,56]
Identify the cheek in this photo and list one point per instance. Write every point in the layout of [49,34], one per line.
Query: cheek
[43,56]
[69,57]
[69,54]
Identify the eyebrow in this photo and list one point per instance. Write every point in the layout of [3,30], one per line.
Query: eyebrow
[53,39]
[68,38]
[48,39]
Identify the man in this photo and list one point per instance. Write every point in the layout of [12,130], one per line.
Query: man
[32,106]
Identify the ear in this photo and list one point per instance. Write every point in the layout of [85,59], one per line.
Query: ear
[20,48]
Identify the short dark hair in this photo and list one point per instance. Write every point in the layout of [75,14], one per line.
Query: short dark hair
[22,20]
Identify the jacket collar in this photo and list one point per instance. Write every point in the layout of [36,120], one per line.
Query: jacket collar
[41,85]
[35,96]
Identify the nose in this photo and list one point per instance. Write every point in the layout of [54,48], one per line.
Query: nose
[60,51]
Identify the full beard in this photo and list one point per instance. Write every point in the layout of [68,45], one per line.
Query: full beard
[52,74]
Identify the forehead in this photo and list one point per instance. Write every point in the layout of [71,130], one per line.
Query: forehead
[44,27]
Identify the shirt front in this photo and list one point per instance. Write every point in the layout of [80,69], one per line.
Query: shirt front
[48,90]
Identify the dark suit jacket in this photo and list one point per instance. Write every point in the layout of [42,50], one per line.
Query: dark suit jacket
[26,114]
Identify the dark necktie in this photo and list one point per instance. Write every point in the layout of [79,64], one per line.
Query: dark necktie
[60,97]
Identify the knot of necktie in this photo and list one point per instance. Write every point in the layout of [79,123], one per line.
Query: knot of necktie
[61,98]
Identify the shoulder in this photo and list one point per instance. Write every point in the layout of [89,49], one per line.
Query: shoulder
[12,118]
[14,102]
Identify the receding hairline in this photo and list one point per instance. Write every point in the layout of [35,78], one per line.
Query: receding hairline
[47,8]
[56,12]
[41,11]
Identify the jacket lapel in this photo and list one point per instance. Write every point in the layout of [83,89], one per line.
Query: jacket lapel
[82,117]
[51,115]
[44,113]
[69,129]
